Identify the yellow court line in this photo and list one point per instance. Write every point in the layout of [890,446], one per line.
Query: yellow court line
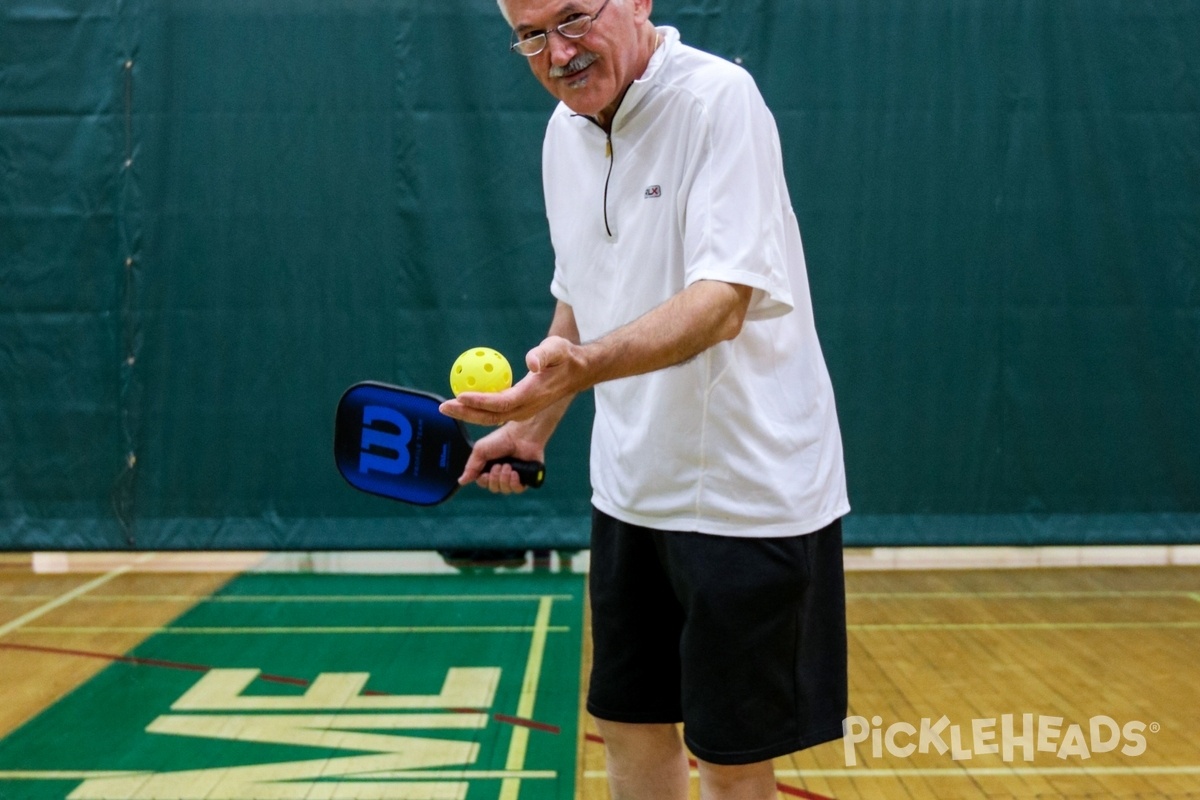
[67,597]
[511,787]
[203,631]
[1013,626]
[956,772]
[1195,596]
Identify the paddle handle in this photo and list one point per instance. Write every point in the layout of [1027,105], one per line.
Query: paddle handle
[531,473]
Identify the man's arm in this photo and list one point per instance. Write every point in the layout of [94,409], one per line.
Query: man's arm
[695,319]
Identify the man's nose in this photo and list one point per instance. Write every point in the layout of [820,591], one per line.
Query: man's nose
[562,49]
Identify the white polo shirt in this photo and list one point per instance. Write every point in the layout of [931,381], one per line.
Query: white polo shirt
[742,440]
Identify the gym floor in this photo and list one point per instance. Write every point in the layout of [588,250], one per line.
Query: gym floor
[1054,673]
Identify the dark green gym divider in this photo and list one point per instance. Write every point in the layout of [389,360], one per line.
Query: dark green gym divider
[214,216]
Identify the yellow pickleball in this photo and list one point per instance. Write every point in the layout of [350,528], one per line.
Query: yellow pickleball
[480,369]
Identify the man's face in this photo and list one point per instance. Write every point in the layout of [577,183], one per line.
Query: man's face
[588,74]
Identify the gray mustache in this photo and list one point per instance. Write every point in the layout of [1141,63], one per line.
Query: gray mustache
[579,62]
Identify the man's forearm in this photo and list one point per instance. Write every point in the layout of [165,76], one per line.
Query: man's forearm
[703,314]
[687,324]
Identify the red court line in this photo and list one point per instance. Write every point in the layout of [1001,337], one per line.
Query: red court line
[149,662]
[793,791]
[507,719]
[528,723]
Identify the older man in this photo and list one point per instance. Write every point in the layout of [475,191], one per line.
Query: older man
[716,462]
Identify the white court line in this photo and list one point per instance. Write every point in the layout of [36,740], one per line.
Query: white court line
[1115,594]
[1004,557]
[1019,626]
[965,772]
[286,631]
[298,598]
[510,789]
[66,774]
[63,599]
[393,775]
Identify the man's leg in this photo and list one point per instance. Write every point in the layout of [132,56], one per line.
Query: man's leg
[741,782]
[645,761]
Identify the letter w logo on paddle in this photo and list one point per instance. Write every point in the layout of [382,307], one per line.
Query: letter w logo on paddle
[376,440]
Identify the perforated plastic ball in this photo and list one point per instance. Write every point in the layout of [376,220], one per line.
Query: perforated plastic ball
[480,369]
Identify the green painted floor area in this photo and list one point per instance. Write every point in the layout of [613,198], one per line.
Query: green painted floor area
[328,686]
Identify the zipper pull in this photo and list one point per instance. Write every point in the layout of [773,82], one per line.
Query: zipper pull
[608,148]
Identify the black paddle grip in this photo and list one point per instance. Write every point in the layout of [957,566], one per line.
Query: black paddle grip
[531,473]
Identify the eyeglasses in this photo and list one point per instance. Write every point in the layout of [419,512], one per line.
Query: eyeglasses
[574,28]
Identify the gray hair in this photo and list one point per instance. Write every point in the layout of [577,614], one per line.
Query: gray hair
[504,9]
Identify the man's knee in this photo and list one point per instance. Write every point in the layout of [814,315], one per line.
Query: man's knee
[642,740]
[739,780]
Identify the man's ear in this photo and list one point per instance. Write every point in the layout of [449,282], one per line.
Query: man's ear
[642,9]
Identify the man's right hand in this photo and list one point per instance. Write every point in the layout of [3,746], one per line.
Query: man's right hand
[504,441]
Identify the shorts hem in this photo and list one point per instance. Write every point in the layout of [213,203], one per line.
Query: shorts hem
[635,717]
[764,753]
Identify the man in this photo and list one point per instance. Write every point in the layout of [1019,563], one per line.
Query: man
[716,462]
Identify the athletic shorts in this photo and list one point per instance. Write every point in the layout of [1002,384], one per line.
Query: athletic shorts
[742,640]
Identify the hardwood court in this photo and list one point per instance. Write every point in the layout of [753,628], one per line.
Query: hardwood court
[951,650]
[34,675]
[298,685]
[1121,643]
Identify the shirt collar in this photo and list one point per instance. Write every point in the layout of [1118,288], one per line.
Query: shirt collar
[641,87]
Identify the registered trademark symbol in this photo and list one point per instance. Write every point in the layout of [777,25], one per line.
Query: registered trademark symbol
[1155,727]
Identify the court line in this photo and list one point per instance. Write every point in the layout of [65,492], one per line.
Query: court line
[289,631]
[298,598]
[358,630]
[519,744]
[459,774]
[965,772]
[951,772]
[1019,595]
[1016,626]
[501,598]
[391,775]
[67,597]
[263,676]
[67,775]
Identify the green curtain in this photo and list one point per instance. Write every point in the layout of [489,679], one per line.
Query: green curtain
[216,215]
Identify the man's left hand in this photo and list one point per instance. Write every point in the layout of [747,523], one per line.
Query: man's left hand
[555,372]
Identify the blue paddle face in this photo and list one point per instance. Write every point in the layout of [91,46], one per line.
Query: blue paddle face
[395,443]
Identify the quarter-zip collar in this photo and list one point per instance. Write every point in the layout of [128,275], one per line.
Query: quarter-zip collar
[627,109]
[637,90]
[640,88]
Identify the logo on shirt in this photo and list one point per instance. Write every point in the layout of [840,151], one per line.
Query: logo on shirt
[653,191]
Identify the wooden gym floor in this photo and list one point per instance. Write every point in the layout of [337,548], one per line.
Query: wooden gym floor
[1082,682]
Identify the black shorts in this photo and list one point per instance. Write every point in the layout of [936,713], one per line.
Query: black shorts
[743,640]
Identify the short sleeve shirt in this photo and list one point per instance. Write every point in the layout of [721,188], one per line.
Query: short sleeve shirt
[742,440]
